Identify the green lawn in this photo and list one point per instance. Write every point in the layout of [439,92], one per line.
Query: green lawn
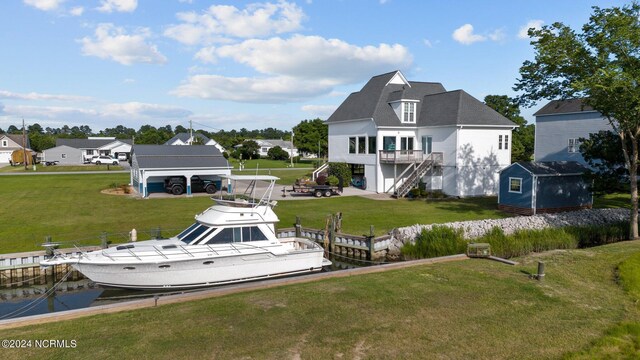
[59,168]
[475,309]
[71,208]
[270,164]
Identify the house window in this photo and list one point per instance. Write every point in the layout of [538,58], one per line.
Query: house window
[372,144]
[506,142]
[5,143]
[352,145]
[499,142]
[265,149]
[89,152]
[515,185]
[406,143]
[362,145]
[574,145]
[389,143]
[409,112]
[64,156]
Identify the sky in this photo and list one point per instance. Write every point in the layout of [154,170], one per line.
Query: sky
[251,64]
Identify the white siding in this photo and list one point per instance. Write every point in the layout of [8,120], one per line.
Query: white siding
[553,132]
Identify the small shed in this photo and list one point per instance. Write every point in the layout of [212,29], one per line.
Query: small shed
[151,164]
[529,188]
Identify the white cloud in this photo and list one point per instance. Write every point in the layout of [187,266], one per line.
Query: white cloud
[320,111]
[128,81]
[77,11]
[276,89]
[38,96]
[220,21]
[314,57]
[206,55]
[497,35]
[427,43]
[111,42]
[110,6]
[143,110]
[536,24]
[44,5]
[465,35]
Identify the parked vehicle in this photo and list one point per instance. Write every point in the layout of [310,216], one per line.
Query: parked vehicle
[177,185]
[103,159]
[122,156]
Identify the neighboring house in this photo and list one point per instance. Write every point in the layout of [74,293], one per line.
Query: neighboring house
[90,147]
[151,164]
[64,155]
[10,143]
[560,124]
[186,139]
[394,132]
[266,145]
[530,188]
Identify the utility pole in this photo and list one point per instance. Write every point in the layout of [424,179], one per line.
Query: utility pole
[190,132]
[24,145]
[291,157]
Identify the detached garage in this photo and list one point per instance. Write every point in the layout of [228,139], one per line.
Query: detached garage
[529,188]
[152,164]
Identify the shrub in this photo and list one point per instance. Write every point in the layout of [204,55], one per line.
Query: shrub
[277,153]
[341,170]
[333,180]
[321,179]
[439,241]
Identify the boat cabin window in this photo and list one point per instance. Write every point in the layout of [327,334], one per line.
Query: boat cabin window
[187,230]
[194,234]
[245,234]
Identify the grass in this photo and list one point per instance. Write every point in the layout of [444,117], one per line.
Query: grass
[71,208]
[472,309]
[59,168]
[270,164]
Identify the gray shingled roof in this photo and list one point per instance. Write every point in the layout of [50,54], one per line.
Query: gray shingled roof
[563,107]
[184,137]
[553,167]
[436,106]
[89,143]
[458,108]
[167,156]
[17,138]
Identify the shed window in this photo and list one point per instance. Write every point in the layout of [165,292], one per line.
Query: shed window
[515,185]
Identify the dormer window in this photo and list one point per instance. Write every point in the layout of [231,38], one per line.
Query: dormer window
[409,112]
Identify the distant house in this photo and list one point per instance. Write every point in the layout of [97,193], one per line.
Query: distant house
[559,126]
[90,147]
[10,143]
[530,188]
[395,132]
[151,164]
[197,138]
[266,144]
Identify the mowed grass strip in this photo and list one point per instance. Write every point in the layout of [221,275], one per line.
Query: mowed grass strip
[475,309]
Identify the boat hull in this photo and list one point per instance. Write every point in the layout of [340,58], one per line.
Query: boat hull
[200,271]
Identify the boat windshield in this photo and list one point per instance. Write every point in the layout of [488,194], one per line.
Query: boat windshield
[195,231]
[238,234]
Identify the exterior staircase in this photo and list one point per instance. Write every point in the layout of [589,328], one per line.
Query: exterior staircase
[404,184]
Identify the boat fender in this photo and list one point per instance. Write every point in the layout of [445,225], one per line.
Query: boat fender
[133,235]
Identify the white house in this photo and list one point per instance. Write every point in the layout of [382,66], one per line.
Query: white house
[92,146]
[394,132]
[197,138]
[560,124]
[10,143]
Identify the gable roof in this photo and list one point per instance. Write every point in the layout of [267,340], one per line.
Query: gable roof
[89,143]
[184,137]
[168,156]
[552,168]
[17,138]
[435,106]
[274,142]
[564,107]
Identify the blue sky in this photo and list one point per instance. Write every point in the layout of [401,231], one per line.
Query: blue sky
[234,64]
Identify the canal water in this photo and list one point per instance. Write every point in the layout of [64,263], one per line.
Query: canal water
[34,299]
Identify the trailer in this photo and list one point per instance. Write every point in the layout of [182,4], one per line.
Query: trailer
[311,188]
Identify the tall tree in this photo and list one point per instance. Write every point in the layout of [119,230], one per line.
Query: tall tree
[311,136]
[602,65]
[523,135]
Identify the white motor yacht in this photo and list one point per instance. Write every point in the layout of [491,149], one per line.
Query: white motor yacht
[232,241]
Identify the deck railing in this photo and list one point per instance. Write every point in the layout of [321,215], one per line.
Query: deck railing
[400,156]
